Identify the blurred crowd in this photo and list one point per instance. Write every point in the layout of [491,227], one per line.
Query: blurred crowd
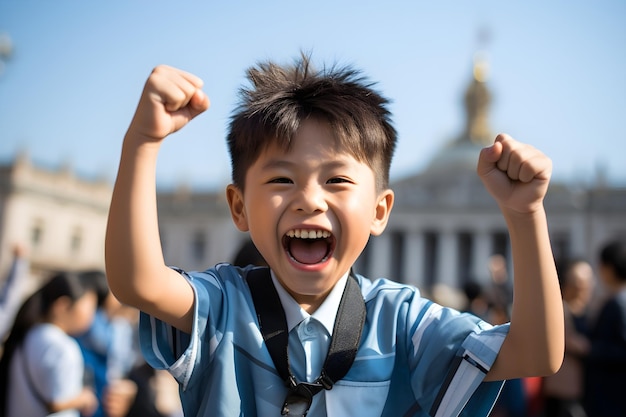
[591,380]
[71,349]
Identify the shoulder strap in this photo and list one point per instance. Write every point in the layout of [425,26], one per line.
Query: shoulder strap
[346,332]
[271,316]
[273,324]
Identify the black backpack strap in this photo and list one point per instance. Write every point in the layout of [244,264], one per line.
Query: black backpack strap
[347,329]
[272,320]
[344,343]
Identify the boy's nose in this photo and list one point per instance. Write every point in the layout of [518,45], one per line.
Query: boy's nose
[311,199]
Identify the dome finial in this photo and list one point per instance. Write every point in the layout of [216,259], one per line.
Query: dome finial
[481,58]
[481,66]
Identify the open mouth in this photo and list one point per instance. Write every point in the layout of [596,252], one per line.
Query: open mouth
[309,246]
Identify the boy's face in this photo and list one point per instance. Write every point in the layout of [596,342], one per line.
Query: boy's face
[314,189]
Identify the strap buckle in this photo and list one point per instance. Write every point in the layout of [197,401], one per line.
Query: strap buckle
[298,401]
[300,396]
[325,381]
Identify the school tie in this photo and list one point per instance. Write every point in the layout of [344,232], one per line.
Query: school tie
[308,347]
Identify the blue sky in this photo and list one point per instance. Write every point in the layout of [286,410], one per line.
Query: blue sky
[558,74]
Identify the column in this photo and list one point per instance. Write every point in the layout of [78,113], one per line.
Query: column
[414,259]
[380,257]
[482,252]
[447,259]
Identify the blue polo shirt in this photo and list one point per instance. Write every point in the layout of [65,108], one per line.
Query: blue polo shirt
[416,358]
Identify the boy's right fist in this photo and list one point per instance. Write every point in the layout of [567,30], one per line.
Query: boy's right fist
[170,99]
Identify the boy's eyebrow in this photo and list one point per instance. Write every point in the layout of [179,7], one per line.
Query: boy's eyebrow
[282,163]
[278,163]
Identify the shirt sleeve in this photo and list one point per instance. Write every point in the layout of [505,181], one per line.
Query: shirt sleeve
[56,368]
[165,347]
[452,353]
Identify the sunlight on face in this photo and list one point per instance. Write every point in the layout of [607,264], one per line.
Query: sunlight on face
[311,210]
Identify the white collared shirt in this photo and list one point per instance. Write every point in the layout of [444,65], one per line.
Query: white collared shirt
[313,330]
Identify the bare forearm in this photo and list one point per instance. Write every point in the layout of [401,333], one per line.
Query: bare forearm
[133,249]
[536,336]
[85,402]
[135,267]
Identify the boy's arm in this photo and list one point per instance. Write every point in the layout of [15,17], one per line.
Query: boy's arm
[517,176]
[136,270]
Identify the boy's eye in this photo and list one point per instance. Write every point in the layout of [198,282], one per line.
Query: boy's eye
[338,180]
[280,180]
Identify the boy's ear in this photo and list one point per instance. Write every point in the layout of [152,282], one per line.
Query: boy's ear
[383,209]
[234,196]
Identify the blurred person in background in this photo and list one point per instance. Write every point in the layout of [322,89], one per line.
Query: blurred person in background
[513,401]
[605,394]
[563,391]
[476,300]
[13,289]
[125,385]
[42,368]
[110,350]
[157,393]
[499,292]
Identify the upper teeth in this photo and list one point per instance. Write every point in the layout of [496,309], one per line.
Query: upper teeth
[308,234]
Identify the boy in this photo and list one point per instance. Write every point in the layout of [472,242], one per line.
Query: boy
[310,155]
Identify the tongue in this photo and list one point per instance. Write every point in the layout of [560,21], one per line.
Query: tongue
[308,251]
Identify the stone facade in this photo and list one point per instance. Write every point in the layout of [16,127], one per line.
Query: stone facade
[58,218]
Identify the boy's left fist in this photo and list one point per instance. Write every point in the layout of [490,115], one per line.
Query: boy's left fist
[515,174]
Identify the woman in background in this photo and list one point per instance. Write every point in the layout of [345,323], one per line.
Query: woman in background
[41,370]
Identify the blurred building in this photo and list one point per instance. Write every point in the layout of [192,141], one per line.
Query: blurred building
[58,217]
[443,229]
[445,225]
[196,229]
